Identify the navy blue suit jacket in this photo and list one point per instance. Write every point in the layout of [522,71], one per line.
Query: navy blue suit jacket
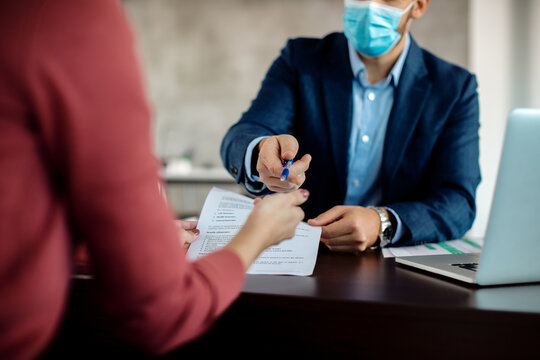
[430,168]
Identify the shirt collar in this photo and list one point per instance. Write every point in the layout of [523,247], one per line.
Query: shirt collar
[357,65]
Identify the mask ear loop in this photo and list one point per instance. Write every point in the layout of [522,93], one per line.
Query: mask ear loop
[409,20]
[410,6]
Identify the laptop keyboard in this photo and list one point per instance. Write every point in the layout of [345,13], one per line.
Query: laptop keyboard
[467,266]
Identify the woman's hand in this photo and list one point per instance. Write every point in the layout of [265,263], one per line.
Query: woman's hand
[187,232]
[272,220]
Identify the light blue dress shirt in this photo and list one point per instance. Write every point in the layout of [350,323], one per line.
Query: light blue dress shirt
[372,104]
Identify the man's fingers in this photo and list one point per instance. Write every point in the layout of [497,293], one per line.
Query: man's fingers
[354,249]
[327,217]
[288,146]
[335,230]
[296,180]
[298,170]
[269,164]
[274,151]
[341,240]
[275,184]
[293,181]
[301,166]
[282,187]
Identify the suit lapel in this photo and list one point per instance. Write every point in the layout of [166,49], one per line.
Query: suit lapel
[336,77]
[409,100]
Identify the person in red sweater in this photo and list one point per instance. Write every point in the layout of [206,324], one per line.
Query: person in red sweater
[76,167]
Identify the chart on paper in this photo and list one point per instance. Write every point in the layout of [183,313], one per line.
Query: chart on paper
[462,246]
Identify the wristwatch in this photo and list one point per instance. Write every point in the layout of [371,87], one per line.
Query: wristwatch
[387,232]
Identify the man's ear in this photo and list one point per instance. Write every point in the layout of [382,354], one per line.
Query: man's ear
[419,8]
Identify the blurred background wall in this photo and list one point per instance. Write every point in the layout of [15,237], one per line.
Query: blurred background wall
[504,53]
[204,61]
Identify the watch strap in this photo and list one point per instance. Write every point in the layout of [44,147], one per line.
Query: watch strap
[386,231]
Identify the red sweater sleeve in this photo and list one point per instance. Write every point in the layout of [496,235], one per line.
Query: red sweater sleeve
[93,121]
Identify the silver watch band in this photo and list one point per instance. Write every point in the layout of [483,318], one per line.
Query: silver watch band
[386,231]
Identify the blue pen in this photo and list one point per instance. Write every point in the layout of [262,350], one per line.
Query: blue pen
[285,173]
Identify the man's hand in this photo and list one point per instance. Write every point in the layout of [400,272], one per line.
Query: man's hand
[348,228]
[272,151]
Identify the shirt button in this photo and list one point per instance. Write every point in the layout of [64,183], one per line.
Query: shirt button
[356,183]
[365,139]
[371,96]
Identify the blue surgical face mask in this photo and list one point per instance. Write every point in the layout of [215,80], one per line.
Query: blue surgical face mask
[372,27]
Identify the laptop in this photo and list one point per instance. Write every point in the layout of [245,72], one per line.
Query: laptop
[511,252]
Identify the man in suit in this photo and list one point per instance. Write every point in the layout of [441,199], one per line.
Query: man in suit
[388,131]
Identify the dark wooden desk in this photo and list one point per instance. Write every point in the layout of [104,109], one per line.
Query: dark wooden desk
[368,307]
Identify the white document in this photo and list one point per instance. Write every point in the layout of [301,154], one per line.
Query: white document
[224,213]
[463,246]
